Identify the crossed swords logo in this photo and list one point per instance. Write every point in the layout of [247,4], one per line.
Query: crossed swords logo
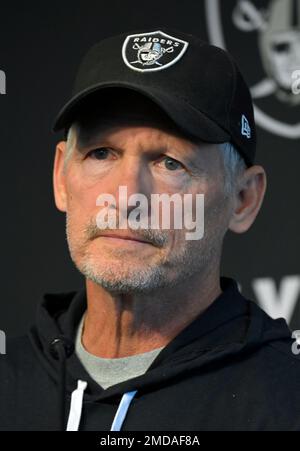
[149,53]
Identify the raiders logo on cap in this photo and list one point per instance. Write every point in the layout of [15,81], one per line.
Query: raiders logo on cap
[152,51]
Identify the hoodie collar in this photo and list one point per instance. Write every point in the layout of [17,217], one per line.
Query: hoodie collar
[230,325]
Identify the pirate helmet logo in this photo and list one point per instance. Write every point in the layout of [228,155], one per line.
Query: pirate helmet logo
[152,51]
[278,42]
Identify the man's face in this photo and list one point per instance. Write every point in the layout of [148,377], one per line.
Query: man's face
[143,151]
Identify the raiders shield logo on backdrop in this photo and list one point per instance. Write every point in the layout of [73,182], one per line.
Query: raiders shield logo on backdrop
[152,51]
[266,32]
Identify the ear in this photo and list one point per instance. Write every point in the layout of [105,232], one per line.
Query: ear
[59,184]
[249,197]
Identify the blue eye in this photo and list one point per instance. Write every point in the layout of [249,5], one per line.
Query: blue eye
[172,165]
[99,154]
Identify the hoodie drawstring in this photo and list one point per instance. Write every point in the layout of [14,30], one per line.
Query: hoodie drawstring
[76,408]
[122,410]
[61,348]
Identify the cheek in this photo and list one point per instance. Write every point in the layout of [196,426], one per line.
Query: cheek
[216,215]
[216,206]
[82,194]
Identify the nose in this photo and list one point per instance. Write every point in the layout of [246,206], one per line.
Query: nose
[135,176]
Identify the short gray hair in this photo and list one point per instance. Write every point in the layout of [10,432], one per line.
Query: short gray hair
[234,166]
[70,142]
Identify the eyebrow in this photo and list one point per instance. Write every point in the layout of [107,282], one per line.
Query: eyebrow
[99,141]
[89,138]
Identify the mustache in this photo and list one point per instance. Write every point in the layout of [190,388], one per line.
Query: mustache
[155,236]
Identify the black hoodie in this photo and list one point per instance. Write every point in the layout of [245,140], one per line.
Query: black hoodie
[232,368]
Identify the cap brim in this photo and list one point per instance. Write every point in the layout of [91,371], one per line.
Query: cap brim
[187,118]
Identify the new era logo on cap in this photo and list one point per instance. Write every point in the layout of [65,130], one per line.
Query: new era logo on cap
[152,51]
[245,129]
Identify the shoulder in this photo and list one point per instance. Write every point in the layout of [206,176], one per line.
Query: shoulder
[275,363]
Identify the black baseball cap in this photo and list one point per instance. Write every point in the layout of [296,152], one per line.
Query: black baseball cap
[198,85]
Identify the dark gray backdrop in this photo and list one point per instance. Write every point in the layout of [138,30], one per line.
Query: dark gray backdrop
[40,47]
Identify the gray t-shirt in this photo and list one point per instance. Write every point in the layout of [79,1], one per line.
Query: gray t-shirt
[108,372]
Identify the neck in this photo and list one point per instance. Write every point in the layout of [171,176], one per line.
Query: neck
[120,325]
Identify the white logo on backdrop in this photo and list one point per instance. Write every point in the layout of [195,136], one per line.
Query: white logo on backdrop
[2,82]
[278,41]
[278,302]
[2,342]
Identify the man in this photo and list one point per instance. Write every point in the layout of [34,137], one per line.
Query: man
[157,340]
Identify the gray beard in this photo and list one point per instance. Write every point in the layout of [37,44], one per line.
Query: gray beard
[144,281]
[195,258]
[149,279]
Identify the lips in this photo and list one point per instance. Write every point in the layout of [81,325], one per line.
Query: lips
[124,237]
